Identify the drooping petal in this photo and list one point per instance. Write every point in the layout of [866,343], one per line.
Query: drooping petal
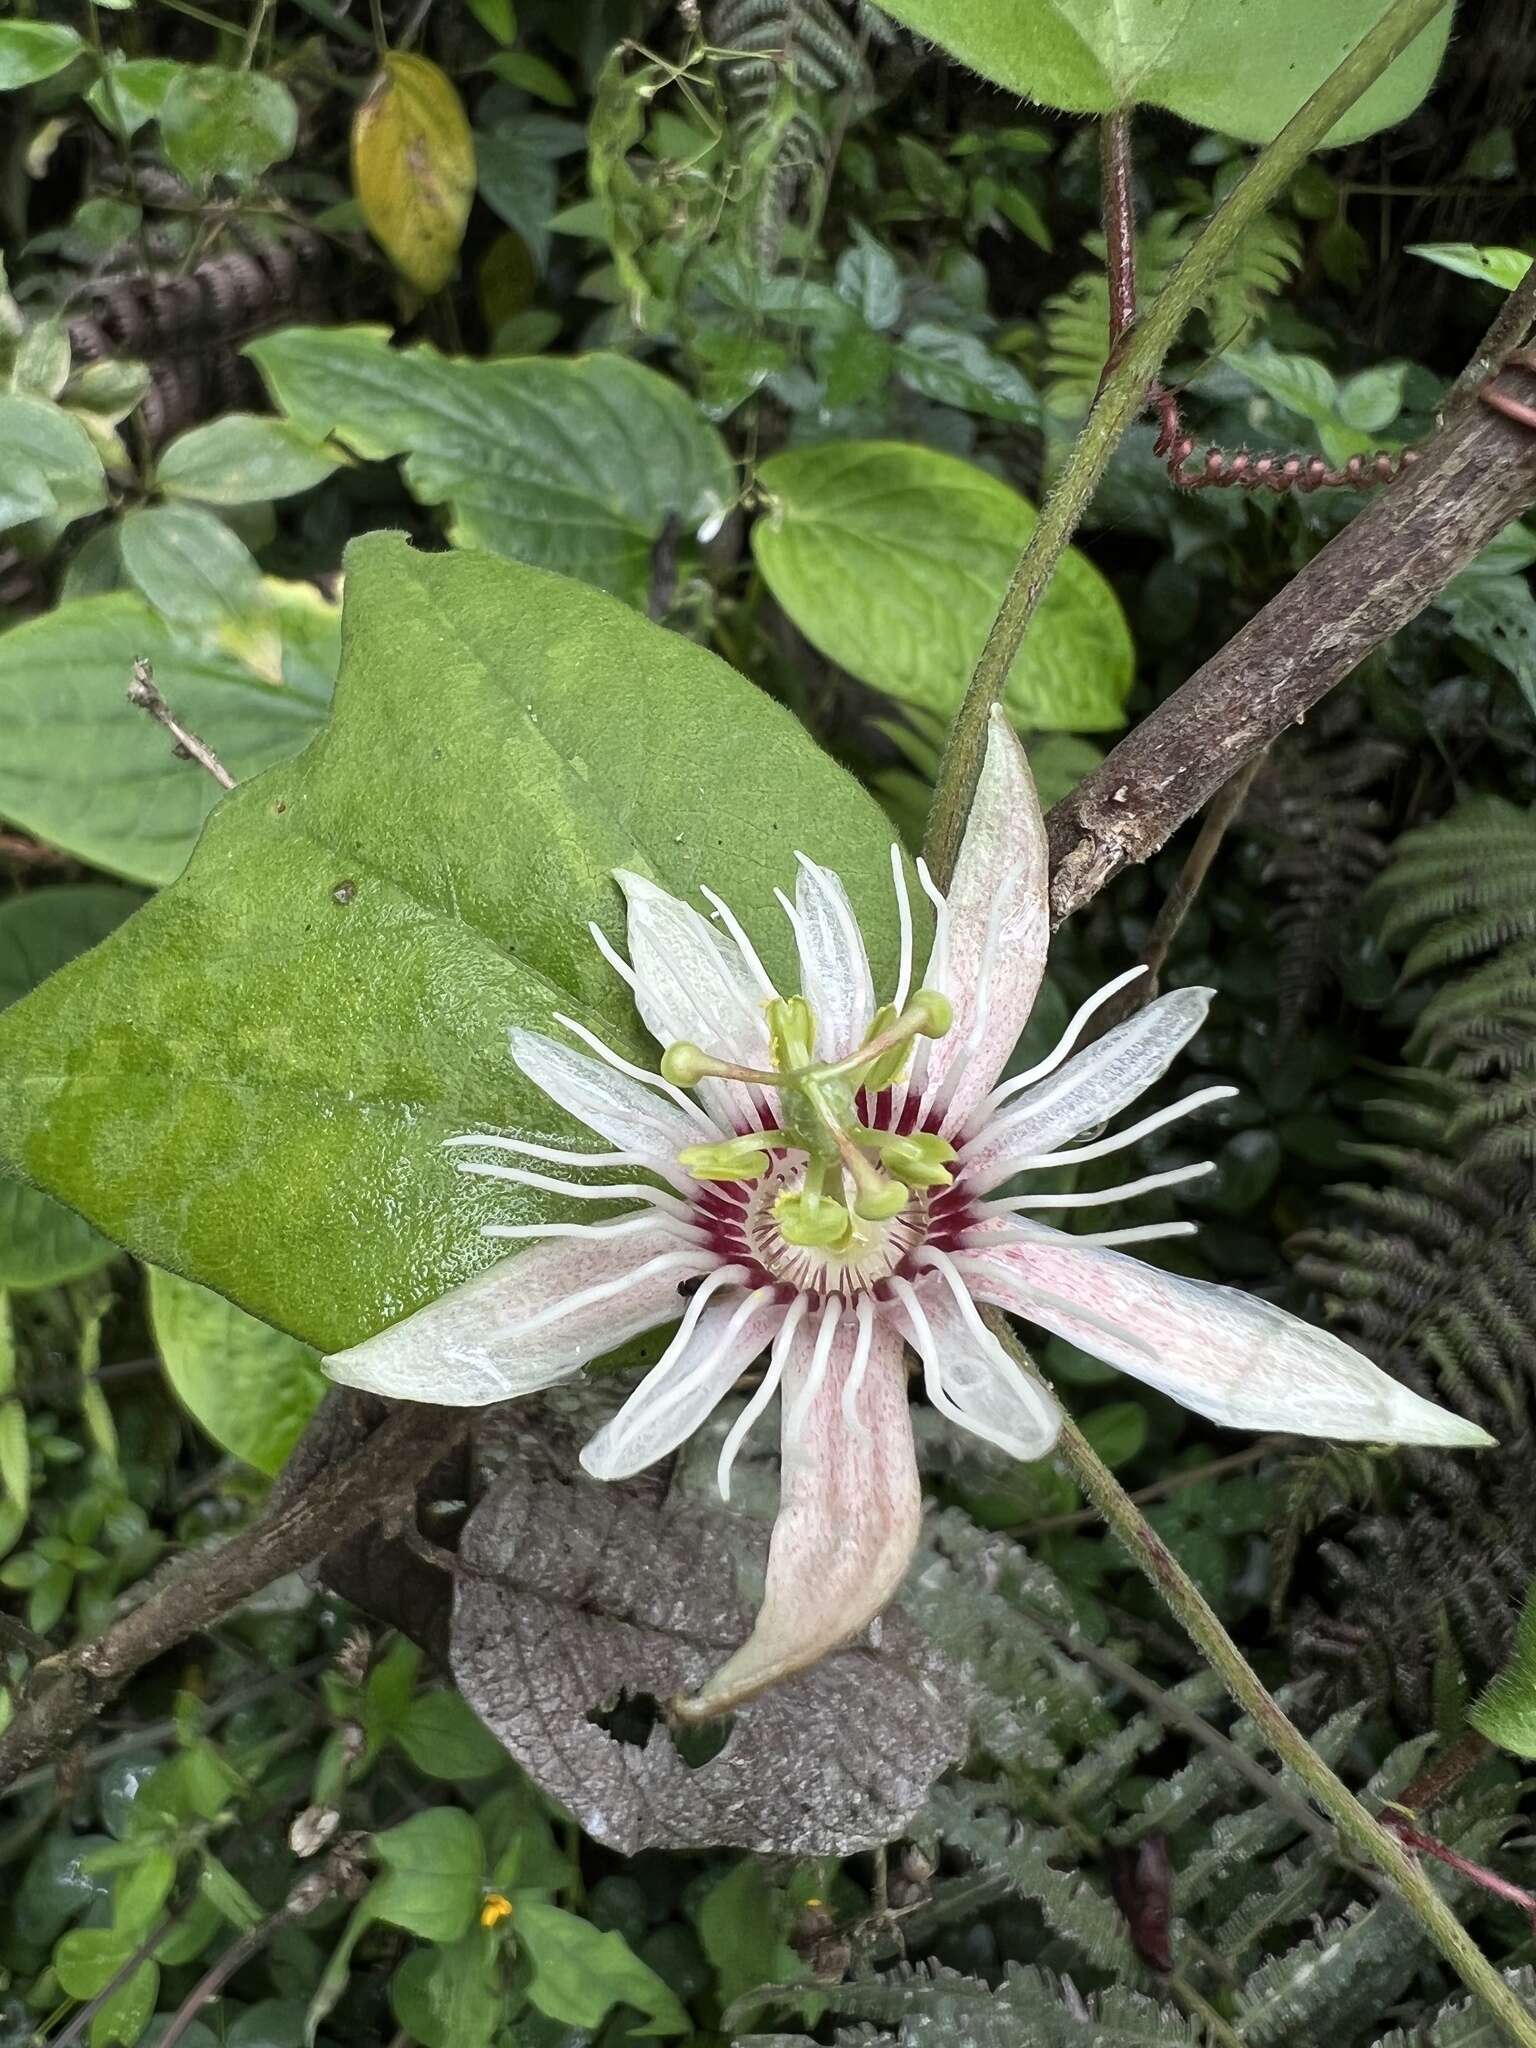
[968,1375]
[998,928]
[626,1112]
[528,1321]
[850,1508]
[1089,1089]
[1227,1355]
[692,984]
[834,967]
[680,1392]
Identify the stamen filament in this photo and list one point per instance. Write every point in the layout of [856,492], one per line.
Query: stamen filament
[741,1427]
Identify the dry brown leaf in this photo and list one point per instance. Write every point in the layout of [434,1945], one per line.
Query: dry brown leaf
[572,1593]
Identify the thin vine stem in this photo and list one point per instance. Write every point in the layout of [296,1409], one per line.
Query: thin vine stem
[1358,1830]
[1122,397]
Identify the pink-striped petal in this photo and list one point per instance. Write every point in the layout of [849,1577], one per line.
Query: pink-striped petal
[1089,1089]
[834,967]
[1227,1355]
[533,1319]
[850,1508]
[680,1393]
[991,954]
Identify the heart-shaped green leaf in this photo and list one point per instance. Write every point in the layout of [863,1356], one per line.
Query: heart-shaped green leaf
[1240,66]
[576,465]
[252,1388]
[251,1081]
[893,560]
[41,1242]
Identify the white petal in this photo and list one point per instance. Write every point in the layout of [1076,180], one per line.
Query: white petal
[692,984]
[1227,1355]
[850,1509]
[625,1112]
[475,1344]
[683,1390]
[1089,1089]
[970,1377]
[998,907]
[834,967]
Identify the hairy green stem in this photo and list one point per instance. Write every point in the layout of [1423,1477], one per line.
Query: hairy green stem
[1122,398]
[1358,1830]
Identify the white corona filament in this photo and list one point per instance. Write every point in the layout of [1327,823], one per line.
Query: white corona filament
[943,1095]
[864,1315]
[741,1428]
[621,1065]
[831,1316]
[615,1191]
[987,1110]
[1030,1162]
[589,1297]
[744,945]
[936,977]
[625,1226]
[551,1155]
[1136,1233]
[677,1383]
[612,955]
[904,920]
[1097,1198]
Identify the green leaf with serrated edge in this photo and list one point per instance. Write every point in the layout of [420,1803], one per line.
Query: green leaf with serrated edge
[226,124]
[1488,263]
[893,559]
[577,465]
[249,1386]
[1240,66]
[31,51]
[1506,1712]
[43,1244]
[86,772]
[434,1872]
[290,1032]
[580,1973]
[243,459]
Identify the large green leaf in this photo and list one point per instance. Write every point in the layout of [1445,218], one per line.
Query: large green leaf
[1240,66]
[83,770]
[252,1388]
[892,559]
[41,1242]
[575,465]
[249,1084]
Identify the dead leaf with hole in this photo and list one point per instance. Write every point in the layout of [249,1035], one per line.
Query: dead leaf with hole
[576,1598]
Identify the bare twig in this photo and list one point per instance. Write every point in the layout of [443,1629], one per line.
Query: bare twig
[1475,476]
[68,1689]
[341,1876]
[143,693]
[1510,326]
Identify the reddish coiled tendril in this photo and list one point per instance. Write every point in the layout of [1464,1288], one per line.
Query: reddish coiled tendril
[1268,471]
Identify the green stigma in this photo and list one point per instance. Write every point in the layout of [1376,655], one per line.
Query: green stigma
[875,1170]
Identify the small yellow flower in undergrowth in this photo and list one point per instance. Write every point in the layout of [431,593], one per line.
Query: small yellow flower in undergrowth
[821,1180]
[497,1907]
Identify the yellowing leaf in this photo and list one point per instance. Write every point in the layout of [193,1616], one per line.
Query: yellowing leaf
[413,169]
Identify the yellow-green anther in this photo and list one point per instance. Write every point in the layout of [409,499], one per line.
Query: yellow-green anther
[685,1065]
[741,1158]
[792,1033]
[878,1199]
[891,1064]
[919,1159]
[812,1219]
[931,1012]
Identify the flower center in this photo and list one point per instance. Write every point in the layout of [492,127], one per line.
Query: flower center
[870,1250]
[855,1179]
